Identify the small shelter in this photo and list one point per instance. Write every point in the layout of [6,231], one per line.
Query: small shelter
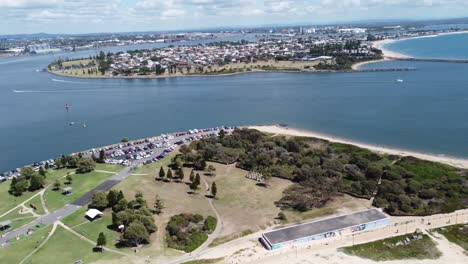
[67,190]
[5,225]
[91,214]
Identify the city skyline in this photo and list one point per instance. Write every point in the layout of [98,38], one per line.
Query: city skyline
[85,16]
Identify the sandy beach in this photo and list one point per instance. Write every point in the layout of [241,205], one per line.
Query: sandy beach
[379,44]
[453,161]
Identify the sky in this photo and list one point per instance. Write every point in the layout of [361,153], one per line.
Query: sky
[90,16]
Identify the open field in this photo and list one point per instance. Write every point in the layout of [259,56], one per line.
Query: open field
[67,248]
[457,234]
[9,201]
[82,183]
[243,204]
[109,167]
[18,219]
[15,252]
[389,249]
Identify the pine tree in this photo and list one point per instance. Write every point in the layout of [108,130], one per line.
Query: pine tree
[101,241]
[162,173]
[46,165]
[102,156]
[192,176]
[180,174]
[158,205]
[169,174]
[214,190]
[197,179]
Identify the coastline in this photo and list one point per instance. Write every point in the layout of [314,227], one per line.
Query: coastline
[275,129]
[388,54]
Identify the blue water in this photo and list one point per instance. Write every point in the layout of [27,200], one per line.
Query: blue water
[425,113]
[453,46]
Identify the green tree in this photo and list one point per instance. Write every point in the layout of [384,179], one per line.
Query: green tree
[180,174]
[46,166]
[124,140]
[140,200]
[192,176]
[69,178]
[56,185]
[222,134]
[113,198]
[158,205]
[136,233]
[101,241]
[99,200]
[162,173]
[42,171]
[102,156]
[36,182]
[121,205]
[214,189]
[169,174]
[85,165]
[197,179]
[28,172]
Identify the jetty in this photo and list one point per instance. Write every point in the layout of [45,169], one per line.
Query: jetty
[429,59]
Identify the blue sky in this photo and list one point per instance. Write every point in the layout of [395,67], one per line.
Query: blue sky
[83,16]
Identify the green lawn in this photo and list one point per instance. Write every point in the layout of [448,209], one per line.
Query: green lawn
[109,167]
[64,247]
[15,252]
[457,234]
[387,249]
[92,229]
[36,201]
[82,183]
[9,201]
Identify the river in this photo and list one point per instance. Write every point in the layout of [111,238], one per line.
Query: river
[425,113]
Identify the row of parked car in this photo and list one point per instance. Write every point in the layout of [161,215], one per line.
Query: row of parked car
[125,153]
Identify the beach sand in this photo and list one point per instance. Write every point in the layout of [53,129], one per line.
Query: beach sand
[453,161]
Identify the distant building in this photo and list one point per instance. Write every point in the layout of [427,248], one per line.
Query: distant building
[352,30]
[41,48]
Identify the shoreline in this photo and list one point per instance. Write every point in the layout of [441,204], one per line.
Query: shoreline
[379,44]
[276,129]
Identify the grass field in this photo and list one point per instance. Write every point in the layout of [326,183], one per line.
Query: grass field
[457,234]
[243,204]
[64,247]
[15,252]
[36,201]
[387,249]
[82,183]
[109,167]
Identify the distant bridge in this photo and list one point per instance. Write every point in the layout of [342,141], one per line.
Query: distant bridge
[429,59]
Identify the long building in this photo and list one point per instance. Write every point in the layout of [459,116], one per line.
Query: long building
[322,229]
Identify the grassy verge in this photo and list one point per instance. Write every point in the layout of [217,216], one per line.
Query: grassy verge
[204,261]
[68,248]
[221,240]
[394,249]
[457,234]
[109,167]
[82,183]
[15,252]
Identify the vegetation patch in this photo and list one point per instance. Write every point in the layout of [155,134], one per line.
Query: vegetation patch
[414,246]
[322,170]
[204,261]
[457,234]
[188,231]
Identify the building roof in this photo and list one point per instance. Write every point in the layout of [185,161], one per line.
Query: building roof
[323,226]
[5,223]
[92,213]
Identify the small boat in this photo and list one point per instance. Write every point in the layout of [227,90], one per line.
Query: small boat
[84,124]
[399,80]
[71,123]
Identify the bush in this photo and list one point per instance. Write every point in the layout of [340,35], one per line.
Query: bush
[209,224]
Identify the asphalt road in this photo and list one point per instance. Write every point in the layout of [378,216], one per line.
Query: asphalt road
[69,209]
